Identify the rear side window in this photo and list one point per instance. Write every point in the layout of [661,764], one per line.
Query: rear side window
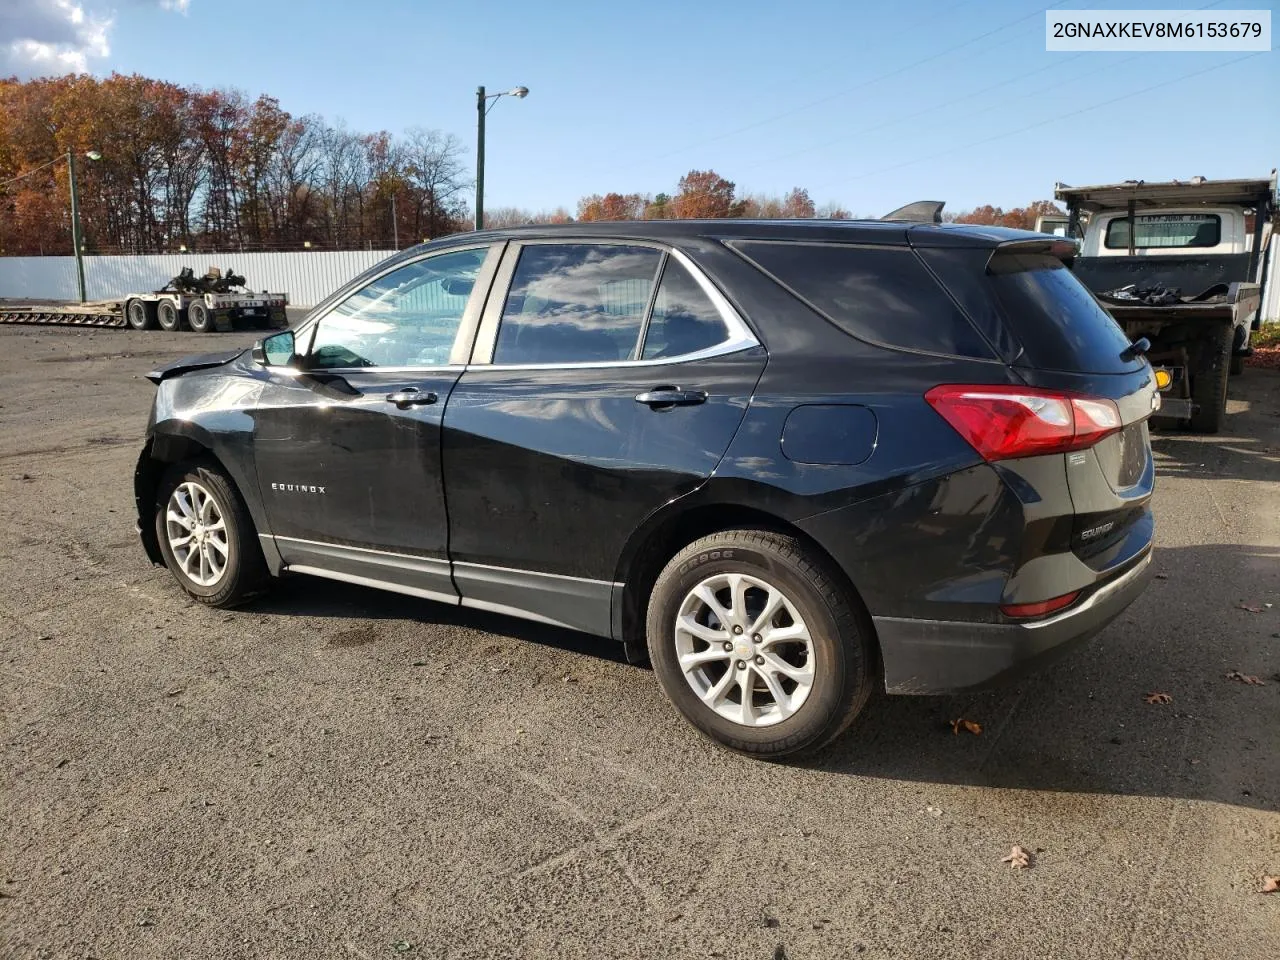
[881,294]
[684,319]
[1060,324]
[1166,230]
[576,303]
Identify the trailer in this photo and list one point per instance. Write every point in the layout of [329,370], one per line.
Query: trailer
[201,304]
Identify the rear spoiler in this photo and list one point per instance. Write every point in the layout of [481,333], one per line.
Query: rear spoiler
[1060,247]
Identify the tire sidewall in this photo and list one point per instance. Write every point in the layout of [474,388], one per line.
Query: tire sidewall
[832,661]
[223,497]
[198,317]
[140,306]
[166,308]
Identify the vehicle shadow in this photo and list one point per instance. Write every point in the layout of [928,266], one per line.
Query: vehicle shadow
[1080,727]
[1083,726]
[1248,448]
[300,596]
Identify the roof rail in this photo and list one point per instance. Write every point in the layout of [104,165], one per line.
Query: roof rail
[922,211]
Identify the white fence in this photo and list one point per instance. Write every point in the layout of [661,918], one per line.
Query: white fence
[308,277]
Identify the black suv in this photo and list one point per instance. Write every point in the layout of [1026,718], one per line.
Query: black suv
[790,460]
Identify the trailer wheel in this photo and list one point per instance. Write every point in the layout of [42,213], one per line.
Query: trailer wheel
[168,315]
[1209,388]
[199,318]
[142,315]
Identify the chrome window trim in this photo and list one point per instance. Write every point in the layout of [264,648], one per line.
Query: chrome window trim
[467,326]
[739,337]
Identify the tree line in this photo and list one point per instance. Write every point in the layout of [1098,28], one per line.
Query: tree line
[183,167]
[188,167]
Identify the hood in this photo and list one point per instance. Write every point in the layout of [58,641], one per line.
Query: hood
[198,362]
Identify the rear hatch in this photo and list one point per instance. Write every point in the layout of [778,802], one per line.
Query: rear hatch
[1056,336]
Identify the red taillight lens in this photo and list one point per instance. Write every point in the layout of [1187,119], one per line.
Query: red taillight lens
[1023,610]
[1005,422]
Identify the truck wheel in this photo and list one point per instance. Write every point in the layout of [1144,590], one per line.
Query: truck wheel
[758,644]
[1209,388]
[168,316]
[199,318]
[1237,365]
[142,315]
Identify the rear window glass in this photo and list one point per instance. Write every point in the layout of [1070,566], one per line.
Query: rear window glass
[1060,324]
[881,294]
[1166,230]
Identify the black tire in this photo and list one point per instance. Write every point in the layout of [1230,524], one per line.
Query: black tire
[244,574]
[199,317]
[1237,365]
[168,316]
[840,631]
[1209,388]
[141,314]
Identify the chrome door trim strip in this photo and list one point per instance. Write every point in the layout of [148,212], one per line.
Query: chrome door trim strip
[515,612]
[342,546]
[451,599]
[535,573]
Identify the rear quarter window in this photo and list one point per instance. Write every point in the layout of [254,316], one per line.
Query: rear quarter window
[881,294]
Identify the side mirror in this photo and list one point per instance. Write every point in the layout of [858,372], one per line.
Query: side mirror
[275,351]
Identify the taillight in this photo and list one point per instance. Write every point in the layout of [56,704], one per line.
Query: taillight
[1006,422]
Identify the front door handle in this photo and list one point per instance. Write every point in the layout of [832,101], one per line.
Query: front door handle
[411,397]
[661,398]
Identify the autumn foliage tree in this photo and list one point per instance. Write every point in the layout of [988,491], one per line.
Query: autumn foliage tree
[211,168]
[1022,218]
[703,194]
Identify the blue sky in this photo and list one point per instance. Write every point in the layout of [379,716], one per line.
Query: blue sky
[871,105]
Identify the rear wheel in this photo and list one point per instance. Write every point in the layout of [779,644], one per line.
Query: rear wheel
[141,314]
[207,537]
[168,316]
[758,644]
[199,317]
[1209,389]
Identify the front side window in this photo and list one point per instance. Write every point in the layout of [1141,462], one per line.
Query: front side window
[1166,230]
[406,318]
[576,303]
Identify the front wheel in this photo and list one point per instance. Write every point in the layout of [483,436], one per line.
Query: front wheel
[207,537]
[758,644]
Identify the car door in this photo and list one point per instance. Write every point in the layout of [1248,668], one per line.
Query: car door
[608,378]
[348,444]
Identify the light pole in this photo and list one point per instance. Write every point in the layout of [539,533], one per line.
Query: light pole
[77,239]
[482,110]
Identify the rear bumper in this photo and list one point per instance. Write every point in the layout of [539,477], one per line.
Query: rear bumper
[940,656]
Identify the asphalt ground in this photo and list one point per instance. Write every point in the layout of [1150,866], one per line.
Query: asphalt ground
[338,772]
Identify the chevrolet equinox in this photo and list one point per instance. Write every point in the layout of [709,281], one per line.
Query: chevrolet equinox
[786,461]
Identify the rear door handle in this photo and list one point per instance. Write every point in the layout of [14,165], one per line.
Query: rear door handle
[411,397]
[663,397]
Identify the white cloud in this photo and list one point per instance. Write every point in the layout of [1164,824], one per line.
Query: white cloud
[40,38]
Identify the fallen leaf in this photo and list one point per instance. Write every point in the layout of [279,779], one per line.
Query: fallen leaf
[1248,678]
[1250,609]
[1158,698]
[970,725]
[1270,885]
[1018,859]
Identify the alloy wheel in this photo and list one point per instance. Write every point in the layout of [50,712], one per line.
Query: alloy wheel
[744,649]
[197,533]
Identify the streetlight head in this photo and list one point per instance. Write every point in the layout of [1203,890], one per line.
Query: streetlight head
[519,92]
[93,154]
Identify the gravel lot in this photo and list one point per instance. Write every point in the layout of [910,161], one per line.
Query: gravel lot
[336,772]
